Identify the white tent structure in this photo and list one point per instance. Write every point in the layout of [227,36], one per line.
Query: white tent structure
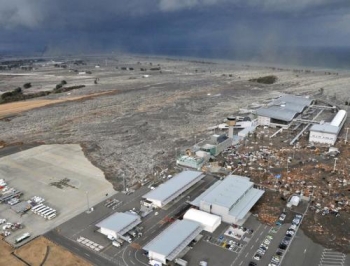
[209,222]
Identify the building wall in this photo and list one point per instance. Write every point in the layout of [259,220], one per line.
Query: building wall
[321,137]
[223,146]
[263,120]
[156,203]
[107,232]
[156,256]
[219,210]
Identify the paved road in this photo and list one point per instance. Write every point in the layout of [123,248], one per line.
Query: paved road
[304,252]
[72,246]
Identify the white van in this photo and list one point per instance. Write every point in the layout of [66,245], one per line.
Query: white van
[116,244]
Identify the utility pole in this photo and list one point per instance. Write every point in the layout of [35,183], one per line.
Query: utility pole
[335,164]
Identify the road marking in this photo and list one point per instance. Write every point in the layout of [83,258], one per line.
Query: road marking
[246,255]
[241,263]
[251,247]
[87,254]
[305,251]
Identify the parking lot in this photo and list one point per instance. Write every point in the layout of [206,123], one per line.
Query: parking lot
[61,175]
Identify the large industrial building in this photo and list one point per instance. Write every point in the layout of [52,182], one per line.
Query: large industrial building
[172,241]
[209,222]
[215,145]
[327,133]
[173,188]
[231,199]
[118,224]
[193,159]
[281,111]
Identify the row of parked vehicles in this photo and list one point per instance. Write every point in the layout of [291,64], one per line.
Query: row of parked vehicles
[9,195]
[44,211]
[275,261]
[264,246]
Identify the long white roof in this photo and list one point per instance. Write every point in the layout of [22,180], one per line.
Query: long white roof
[120,222]
[174,239]
[166,190]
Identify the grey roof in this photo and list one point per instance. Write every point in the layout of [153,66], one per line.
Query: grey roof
[173,186]
[293,99]
[174,239]
[120,222]
[285,108]
[277,112]
[227,192]
[241,209]
[326,128]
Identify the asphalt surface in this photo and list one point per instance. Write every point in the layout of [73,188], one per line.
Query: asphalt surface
[304,252]
[74,247]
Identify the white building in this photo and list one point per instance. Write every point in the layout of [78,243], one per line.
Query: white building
[172,241]
[173,188]
[327,133]
[209,222]
[231,199]
[118,224]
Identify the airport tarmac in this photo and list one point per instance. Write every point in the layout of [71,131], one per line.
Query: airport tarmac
[40,171]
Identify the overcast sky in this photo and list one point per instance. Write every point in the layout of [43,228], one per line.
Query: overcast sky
[168,26]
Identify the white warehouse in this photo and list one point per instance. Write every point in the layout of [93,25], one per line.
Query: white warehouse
[209,222]
[231,199]
[173,188]
[172,241]
[118,224]
[327,133]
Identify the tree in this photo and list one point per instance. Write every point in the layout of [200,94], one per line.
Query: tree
[27,85]
[63,82]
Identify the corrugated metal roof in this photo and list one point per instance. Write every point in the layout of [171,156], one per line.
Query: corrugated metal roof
[170,187]
[277,112]
[228,191]
[119,221]
[241,209]
[293,99]
[325,128]
[174,239]
[285,108]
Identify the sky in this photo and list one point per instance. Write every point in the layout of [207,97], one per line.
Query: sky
[261,29]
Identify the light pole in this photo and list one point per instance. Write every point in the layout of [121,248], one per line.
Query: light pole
[335,164]
[87,200]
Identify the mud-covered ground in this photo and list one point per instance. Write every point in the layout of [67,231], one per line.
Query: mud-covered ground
[147,116]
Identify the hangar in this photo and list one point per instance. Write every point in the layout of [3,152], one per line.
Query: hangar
[172,188]
[281,111]
[209,222]
[231,199]
[172,241]
[118,224]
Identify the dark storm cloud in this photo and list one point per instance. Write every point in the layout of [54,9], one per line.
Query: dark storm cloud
[156,26]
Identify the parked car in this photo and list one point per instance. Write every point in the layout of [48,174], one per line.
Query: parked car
[257,256]
[296,221]
[116,244]
[282,217]
[267,242]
